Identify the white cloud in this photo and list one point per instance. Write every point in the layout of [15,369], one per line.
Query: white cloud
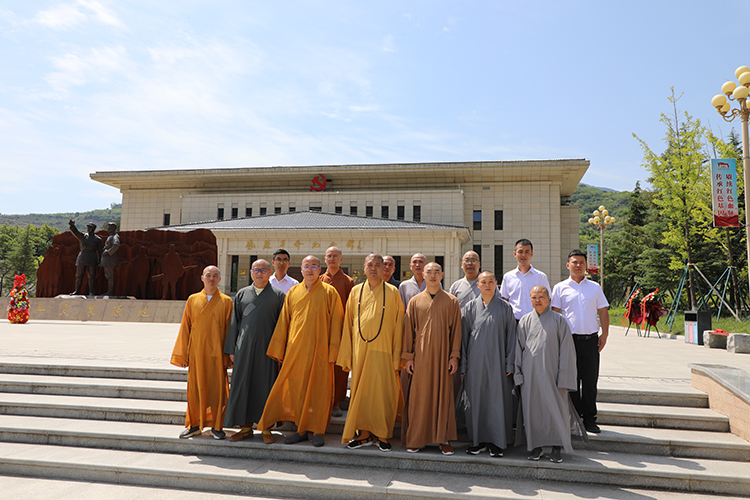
[70,15]
[359,109]
[95,66]
[388,44]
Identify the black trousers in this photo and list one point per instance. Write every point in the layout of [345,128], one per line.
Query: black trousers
[587,363]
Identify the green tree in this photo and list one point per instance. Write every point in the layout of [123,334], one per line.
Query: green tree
[681,182]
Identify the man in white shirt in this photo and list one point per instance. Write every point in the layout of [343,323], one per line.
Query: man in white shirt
[280,279]
[416,283]
[517,284]
[580,301]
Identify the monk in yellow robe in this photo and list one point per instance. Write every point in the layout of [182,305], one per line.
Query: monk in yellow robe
[371,350]
[306,341]
[432,347]
[343,284]
[200,348]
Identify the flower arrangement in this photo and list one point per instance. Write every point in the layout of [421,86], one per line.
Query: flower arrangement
[18,308]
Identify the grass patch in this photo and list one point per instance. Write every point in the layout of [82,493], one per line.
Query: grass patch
[726,322]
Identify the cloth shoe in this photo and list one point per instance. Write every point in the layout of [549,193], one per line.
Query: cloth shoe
[269,438]
[218,434]
[412,450]
[384,445]
[446,449]
[244,433]
[556,455]
[495,451]
[591,427]
[190,432]
[536,453]
[296,438]
[336,412]
[359,443]
[318,440]
[476,450]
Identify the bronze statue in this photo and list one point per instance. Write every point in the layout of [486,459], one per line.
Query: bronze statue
[88,259]
[109,257]
[171,271]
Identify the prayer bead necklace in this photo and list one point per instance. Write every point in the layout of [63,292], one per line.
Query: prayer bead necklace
[359,314]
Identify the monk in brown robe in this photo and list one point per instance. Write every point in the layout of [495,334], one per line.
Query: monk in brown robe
[432,347]
[343,284]
[200,349]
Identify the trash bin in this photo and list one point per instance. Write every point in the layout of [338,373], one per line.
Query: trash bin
[695,323]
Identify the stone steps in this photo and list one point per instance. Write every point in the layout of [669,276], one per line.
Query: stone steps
[464,477]
[667,417]
[137,436]
[113,424]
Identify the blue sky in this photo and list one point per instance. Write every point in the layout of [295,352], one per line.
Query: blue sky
[90,85]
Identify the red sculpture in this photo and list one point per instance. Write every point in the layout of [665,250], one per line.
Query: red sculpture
[140,256]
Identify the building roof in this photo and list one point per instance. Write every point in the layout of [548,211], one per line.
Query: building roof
[361,177]
[308,219]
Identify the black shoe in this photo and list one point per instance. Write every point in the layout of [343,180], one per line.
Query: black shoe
[358,443]
[536,454]
[495,451]
[384,445]
[192,431]
[476,450]
[318,440]
[296,438]
[592,427]
[336,412]
[556,455]
[218,434]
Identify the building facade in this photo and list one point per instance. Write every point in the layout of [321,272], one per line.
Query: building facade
[439,209]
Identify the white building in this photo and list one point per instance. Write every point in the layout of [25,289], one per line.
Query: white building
[439,209]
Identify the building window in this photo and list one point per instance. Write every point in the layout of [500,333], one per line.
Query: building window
[220,214]
[478,250]
[477,220]
[235,212]
[498,260]
[416,213]
[339,210]
[262,210]
[353,210]
[384,212]
[235,273]
[292,209]
[249,213]
[277,210]
[400,212]
[368,211]
[167,218]
[498,220]
[316,208]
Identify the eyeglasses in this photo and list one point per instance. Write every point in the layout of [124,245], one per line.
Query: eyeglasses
[471,261]
[310,268]
[281,260]
[261,271]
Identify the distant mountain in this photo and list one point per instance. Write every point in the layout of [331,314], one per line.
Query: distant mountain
[599,188]
[60,221]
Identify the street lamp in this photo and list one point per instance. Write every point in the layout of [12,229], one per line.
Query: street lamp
[731,91]
[601,220]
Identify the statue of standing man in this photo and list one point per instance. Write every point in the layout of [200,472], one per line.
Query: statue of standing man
[88,257]
[109,257]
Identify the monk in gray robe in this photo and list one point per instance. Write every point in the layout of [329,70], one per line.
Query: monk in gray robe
[488,341]
[256,310]
[545,370]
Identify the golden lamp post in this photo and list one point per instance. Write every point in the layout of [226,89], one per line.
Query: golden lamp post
[733,92]
[601,220]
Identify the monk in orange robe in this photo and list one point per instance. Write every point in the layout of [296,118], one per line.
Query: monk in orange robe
[306,341]
[200,349]
[343,284]
[432,347]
